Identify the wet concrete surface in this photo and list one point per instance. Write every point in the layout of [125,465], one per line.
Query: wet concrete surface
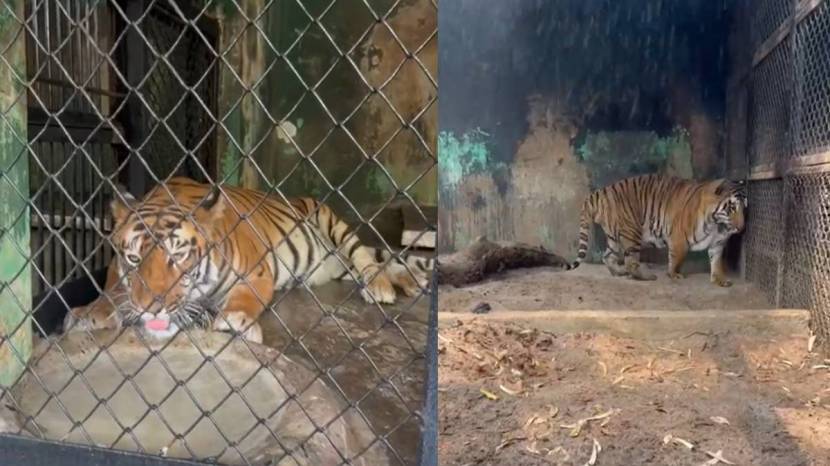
[356,370]
[376,357]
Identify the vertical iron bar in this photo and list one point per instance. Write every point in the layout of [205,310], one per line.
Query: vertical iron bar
[794,125]
[134,124]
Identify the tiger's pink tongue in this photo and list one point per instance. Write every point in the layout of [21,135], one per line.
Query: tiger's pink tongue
[157,324]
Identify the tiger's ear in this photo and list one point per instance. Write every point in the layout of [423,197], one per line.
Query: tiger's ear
[212,206]
[122,204]
[729,186]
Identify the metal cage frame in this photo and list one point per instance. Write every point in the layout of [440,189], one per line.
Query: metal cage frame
[778,139]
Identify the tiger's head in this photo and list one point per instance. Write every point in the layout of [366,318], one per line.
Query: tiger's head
[161,247]
[729,213]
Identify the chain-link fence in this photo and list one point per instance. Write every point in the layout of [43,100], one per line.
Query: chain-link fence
[779,137]
[219,317]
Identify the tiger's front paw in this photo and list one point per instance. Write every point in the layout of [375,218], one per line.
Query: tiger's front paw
[411,284]
[91,317]
[240,323]
[378,285]
[721,281]
[676,275]
[636,272]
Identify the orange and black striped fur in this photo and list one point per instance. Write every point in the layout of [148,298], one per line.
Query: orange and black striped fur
[663,211]
[197,255]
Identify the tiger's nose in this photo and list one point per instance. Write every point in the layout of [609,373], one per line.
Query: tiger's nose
[154,305]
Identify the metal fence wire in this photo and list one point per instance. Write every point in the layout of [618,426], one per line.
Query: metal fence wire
[102,103]
[785,147]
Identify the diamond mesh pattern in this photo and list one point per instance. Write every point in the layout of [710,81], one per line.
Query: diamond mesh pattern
[813,99]
[766,17]
[103,116]
[807,278]
[736,162]
[789,118]
[764,236]
[188,128]
[770,107]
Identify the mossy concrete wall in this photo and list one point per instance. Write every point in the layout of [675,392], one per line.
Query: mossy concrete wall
[15,276]
[281,133]
[542,102]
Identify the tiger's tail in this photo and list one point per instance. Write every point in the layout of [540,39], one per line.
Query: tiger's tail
[586,219]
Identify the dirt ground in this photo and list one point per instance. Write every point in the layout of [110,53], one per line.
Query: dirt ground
[591,287]
[517,396]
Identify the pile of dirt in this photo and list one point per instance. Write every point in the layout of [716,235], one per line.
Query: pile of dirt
[511,395]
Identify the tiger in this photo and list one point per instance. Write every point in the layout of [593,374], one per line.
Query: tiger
[666,212]
[194,255]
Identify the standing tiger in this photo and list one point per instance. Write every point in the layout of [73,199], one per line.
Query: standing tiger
[192,255]
[663,211]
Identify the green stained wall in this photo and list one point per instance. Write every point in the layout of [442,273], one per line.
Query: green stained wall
[15,277]
[257,151]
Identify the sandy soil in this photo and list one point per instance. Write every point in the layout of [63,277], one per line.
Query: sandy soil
[512,395]
[591,287]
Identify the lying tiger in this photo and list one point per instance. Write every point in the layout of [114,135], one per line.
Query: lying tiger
[221,266]
[663,211]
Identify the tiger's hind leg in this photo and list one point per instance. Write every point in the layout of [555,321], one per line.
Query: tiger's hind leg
[632,260]
[613,259]
[377,285]
[408,273]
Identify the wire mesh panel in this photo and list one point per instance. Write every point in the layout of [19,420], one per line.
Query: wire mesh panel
[788,140]
[807,278]
[736,128]
[812,131]
[770,107]
[766,16]
[764,236]
[71,146]
[242,320]
[180,91]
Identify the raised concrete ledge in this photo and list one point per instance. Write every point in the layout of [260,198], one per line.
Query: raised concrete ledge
[651,324]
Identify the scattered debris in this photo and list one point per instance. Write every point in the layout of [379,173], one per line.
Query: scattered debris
[488,394]
[627,368]
[669,438]
[576,428]
[543,384]
[595,450]
[717,457]
[509,442]
[513,389]
[553,411]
